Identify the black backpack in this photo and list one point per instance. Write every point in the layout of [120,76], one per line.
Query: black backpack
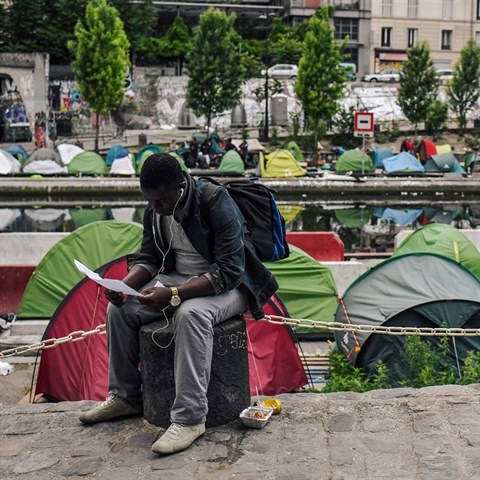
[259,208]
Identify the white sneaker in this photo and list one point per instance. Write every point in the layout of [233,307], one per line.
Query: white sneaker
[178,437]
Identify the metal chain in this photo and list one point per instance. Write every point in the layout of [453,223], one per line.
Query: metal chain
[53,342]
[275,319]
[345,327]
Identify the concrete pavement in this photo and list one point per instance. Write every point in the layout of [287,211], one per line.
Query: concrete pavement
[429,433]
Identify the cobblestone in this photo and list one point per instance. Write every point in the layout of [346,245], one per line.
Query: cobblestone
[404,434]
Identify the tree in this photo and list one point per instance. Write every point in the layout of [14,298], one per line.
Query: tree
[320,81]
[436,119]
[418,84]
[464,90]
[176,42]
[139,21]
[57,28]
[101,60]
[21,23]
[214,65]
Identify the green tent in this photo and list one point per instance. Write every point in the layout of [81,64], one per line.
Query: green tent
[353,217]
[295,149]
[232,163]
[444,240]
[89,163]
[445,162]
[412,290]
[94,245]
[145,152]
[307,288]
[355,161]
[174,154]
[84,216]
[280,164]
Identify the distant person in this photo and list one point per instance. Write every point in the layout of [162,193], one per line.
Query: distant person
[407,146]
[192,157]
[173,145]
[229,145]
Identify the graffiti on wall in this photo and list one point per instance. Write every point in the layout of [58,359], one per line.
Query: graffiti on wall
[14,120]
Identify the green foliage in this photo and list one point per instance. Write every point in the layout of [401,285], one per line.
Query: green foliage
[464,90]
[320,82]
[21,28]
[418,84]
[471,368]
[100,58]
[437,116]
[425,364]
[343,126]
[139,19]
[214,65]
[296,125]
[344,377]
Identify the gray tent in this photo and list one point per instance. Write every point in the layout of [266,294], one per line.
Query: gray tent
[412,290]
[44,161]
[445,162]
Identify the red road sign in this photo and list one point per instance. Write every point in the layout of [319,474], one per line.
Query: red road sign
[363,124]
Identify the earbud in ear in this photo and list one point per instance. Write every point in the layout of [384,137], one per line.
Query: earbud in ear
[181,191]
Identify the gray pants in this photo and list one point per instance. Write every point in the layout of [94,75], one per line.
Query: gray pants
[193,323]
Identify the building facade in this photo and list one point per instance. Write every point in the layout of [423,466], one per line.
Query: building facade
[446,25]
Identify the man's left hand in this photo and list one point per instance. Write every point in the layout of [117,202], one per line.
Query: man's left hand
[156,297]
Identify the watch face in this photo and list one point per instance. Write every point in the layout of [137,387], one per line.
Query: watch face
[175,301]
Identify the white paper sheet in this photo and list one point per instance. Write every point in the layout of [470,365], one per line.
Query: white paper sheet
[110,283]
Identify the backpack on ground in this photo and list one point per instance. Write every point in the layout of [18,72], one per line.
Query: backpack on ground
[259,208]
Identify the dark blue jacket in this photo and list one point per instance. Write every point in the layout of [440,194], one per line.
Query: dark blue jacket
[219,236]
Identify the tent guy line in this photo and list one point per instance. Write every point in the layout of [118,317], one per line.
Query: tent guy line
[275,319]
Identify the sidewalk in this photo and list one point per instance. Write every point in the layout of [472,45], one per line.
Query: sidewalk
[431,433]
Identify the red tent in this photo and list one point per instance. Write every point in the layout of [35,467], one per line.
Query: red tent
[78,370]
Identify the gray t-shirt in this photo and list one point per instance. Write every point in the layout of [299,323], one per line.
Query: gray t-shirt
[187,260]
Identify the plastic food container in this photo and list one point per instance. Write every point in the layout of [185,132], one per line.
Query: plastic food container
[256,417]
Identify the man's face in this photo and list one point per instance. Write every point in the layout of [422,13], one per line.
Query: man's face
[162,199]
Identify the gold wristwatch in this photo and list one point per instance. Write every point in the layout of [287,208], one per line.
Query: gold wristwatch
[175,299]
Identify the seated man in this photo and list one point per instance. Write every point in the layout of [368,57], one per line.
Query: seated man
[209,272]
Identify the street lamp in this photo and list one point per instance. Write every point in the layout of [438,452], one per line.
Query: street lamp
[265,124]
[267,19]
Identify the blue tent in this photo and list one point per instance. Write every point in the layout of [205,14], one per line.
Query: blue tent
[116,151]
[18,152]
[379,154]
[399,217]
[403,162]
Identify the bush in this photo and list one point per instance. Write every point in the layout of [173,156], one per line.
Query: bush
[426,365]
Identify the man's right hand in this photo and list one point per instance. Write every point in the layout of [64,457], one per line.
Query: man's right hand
[116,298]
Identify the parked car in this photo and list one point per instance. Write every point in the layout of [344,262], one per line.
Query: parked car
[351,69]
[282,71]
[383,76]
[445,76]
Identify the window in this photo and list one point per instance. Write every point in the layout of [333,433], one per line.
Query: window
[387,8]
[446,39]
[344,27]
[412,35]
[478,9]
[477,38]
[386,36]
[412,9]
[447,11]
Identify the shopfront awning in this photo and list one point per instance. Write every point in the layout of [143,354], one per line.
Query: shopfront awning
[393,57]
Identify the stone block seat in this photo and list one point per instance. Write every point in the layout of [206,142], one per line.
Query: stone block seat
[228,391]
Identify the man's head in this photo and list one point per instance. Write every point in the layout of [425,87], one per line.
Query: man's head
[162,182]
